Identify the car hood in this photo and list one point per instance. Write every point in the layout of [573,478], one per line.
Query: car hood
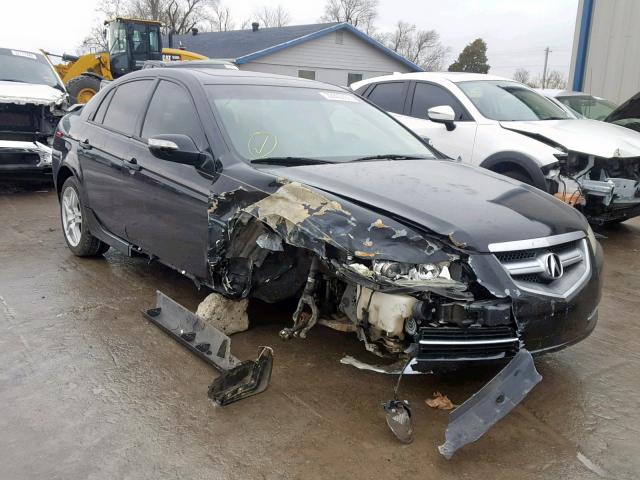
[471,206]
[29,93]
[629,109]
[585,136]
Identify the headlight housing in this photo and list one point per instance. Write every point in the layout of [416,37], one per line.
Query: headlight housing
[393,271]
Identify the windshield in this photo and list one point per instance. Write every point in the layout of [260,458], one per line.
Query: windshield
[117,38]
[510,101]
[590,107]
[283,122]
[26,67]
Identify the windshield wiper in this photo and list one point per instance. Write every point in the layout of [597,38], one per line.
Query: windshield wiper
[390,156]
[290,161]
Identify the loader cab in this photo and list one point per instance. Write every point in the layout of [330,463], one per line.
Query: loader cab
[131,43]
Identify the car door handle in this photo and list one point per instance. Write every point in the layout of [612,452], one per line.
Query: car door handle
[132,164]
[85,144]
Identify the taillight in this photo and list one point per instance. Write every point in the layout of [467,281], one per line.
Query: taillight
[59,134]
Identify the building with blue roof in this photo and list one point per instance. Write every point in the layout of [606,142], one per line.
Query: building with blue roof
[336,53]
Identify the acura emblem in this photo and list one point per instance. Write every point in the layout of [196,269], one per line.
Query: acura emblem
[552,266]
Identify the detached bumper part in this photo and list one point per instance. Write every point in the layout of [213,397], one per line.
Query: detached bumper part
[478,414]
[239,379]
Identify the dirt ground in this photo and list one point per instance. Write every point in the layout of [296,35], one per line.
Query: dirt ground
[90,390]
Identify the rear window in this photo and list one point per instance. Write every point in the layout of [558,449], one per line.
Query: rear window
[125,106]
[389,96]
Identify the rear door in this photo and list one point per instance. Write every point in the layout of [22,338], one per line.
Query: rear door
[171,198]
[456,143]
[104,145]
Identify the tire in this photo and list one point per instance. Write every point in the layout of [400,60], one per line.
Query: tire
[518,175]
[80,88]
[75,230]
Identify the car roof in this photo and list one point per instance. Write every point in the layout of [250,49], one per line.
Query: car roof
[455,77]
[209,76]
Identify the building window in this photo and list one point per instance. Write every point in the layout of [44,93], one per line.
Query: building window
[308,74]
[339,37]
[353,77]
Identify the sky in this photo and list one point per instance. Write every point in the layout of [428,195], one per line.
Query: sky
[516,31]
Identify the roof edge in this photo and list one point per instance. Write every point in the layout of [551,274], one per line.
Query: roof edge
[320,33]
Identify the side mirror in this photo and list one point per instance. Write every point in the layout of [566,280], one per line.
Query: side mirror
[443,114]
[176,148]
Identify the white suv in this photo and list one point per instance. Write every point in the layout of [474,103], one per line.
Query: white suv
[509,128]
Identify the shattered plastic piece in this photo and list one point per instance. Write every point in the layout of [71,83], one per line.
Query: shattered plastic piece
[473,418]
[228,315]
[398,416]
[440,401]
[238,380]
[391,369]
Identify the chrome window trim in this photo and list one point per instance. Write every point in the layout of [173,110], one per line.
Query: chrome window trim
[536,242]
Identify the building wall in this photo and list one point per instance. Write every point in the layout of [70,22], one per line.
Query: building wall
[330,60]
[612,68]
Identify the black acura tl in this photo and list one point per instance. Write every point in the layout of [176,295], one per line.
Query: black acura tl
[274,187]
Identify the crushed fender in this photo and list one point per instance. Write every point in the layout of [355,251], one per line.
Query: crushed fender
[239,379]
[478,414]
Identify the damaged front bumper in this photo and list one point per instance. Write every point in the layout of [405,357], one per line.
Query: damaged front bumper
[25,157]
[604,189]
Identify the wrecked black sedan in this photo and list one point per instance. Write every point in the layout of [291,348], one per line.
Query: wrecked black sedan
[273,187]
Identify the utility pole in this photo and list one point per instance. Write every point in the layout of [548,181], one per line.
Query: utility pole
[544,72]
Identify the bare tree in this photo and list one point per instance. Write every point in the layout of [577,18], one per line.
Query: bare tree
[422,47]
[272,17]
[221,20]
[359,13]
[522,75]
[555,79]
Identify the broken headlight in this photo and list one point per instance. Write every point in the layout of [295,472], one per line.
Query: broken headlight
[407,271]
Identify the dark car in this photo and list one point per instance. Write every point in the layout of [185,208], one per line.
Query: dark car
[273,187]
[627,114]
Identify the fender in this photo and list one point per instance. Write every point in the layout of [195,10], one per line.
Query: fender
[528,164]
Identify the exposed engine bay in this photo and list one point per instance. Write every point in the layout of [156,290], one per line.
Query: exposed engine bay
[604,189]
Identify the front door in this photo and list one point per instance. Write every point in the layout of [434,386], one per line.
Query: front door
[457,143]
[168,216]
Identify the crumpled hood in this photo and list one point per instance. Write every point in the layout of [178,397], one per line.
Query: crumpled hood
[471,206]
[585,136]
[29,93]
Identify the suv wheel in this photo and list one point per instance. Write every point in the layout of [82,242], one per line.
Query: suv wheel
[76,234]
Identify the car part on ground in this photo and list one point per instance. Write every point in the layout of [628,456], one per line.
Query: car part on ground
[431,262]
[478,414]
[508,128]
[238,379]
[32,101]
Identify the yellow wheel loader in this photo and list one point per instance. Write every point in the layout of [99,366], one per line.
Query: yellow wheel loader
[131,43]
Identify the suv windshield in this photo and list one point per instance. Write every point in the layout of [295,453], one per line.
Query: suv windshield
[292,123]
[590,107]
[510,101]
[26,67]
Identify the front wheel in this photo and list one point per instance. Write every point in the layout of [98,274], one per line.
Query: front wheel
[82,88]
[76,234]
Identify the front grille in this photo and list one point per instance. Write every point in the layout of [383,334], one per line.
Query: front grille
[455,343]
[529,270]
[19,158]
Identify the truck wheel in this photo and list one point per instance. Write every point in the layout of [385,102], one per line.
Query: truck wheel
[82,88]
[76,234]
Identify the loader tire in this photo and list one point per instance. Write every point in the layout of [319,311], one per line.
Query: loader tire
[81,89]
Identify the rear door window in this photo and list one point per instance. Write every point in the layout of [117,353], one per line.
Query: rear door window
[126,105]
[171,111]
[427,95]
[389,96]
